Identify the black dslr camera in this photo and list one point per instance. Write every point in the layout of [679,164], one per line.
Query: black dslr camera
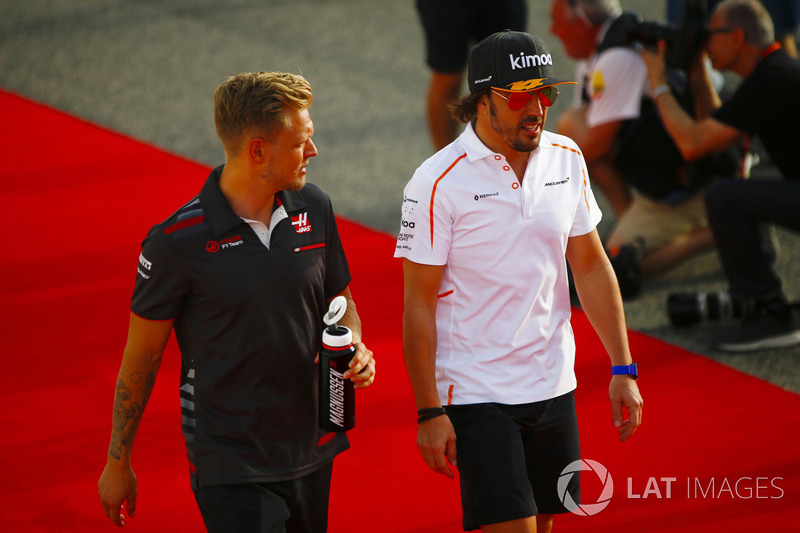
[684,41]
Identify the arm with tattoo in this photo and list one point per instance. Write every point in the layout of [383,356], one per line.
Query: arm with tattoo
[137,376]
[127,410]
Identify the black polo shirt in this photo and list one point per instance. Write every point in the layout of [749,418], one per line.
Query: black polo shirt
[767,104]
[248,321]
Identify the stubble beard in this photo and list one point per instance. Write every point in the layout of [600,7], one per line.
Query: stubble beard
[511,134]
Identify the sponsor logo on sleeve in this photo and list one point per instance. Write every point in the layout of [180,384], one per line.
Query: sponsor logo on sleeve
[146,265]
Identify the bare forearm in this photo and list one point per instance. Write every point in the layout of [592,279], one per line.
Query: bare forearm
[351,320]
[706,99]
[134,386]
[419,350]
[602,303]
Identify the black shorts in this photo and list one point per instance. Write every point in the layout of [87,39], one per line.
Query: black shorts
[452,27]
[511,456]
[295,506]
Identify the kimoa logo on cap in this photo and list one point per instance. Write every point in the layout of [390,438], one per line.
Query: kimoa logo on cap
[524,61]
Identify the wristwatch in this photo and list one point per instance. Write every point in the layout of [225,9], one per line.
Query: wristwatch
[626,370]
[661,89]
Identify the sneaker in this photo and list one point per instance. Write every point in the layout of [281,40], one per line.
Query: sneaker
[766,330]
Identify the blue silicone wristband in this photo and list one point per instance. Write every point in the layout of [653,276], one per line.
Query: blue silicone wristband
[626,370]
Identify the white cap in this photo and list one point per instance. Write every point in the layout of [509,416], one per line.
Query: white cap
[344,339]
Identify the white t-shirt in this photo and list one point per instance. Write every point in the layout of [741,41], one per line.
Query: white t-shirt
[615,81]
[503,330]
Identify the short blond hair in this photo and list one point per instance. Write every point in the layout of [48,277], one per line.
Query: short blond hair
[255,102]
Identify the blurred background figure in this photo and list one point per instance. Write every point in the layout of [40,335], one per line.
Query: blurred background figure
[785,16]
[451,28]
[765,104]
[656,195]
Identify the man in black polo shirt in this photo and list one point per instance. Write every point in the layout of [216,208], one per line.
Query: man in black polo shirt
[243,273]
[766,104]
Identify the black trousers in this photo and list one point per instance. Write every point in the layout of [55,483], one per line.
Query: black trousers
[295,506]
[739,212]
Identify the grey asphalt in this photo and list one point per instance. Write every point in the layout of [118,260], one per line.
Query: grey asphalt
[149,69]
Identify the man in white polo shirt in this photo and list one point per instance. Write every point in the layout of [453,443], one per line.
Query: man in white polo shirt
[487,223]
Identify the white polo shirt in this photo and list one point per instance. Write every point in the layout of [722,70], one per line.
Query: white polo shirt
[503,314]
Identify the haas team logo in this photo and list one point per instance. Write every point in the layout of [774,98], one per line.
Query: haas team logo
[300,223]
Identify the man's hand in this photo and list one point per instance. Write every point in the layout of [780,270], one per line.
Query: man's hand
[116,485]
[436,440]
[362,367]
[624,393]
[656,64]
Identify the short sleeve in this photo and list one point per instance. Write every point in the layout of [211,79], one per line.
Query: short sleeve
[426,225]
[161,281]
[739,112]
[337,271]
[587,212]
[615,84]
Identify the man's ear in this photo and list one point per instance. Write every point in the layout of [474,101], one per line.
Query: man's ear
[257,150]
[482,105]
[738,37]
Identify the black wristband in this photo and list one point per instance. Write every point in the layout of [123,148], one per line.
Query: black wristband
[429,413]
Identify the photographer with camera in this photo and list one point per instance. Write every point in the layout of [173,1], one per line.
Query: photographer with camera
[656,196]
[766,104]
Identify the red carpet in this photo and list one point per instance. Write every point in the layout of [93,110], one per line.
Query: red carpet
[78,199]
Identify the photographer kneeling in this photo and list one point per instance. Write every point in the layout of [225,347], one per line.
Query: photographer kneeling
[656,195]
[766,104]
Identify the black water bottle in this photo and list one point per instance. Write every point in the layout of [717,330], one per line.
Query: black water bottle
[337,399]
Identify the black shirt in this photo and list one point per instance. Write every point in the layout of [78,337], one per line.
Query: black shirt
[248,321]
[767,104]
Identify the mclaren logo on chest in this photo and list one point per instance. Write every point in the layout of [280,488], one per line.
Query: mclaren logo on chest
[300,223]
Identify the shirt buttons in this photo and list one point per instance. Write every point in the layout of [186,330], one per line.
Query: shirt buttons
[515,185]
[497,157]
[506,168]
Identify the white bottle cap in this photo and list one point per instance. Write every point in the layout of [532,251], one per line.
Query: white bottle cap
[338,341]
[336,310]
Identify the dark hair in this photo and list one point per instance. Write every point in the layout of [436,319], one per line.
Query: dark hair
[465,109]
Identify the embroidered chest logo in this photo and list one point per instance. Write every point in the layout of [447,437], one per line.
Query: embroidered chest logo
[300,223]
[224,243]
[554,183]
[487,195]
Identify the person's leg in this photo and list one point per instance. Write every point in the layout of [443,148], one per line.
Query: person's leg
[665,234]
[684,234]
[552,443]
[680,249]
[309,504]
[245,508]
[445,24]
[523,525]
[738,211]
[491,462]
[443,89]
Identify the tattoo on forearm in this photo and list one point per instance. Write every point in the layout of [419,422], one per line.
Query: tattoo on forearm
[127,415]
